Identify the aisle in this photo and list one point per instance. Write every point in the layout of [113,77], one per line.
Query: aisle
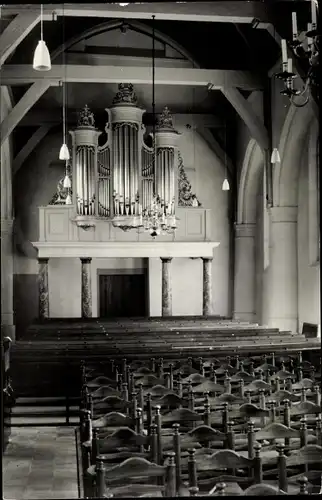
[40,463]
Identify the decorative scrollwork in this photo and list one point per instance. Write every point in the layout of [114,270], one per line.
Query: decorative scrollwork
[186,198]
[86,118]
[125,95]
[60,196]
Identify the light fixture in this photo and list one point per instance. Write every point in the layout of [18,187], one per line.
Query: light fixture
[41,60]
[123,4]
[64,152]
[67,184]
[275,158]
[305,46]
[225,185]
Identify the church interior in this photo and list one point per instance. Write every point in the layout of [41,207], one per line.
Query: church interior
[160,249]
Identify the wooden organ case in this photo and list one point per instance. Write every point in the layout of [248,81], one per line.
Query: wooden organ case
[117,181]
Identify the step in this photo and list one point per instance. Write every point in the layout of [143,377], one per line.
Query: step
[41,410]
[21,421]
[25,400]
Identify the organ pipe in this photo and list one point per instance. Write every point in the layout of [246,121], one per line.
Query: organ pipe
[118,180]
[166,146]
[84,155]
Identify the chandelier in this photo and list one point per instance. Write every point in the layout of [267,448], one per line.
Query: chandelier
[157,220]
[159,217]
[305,46]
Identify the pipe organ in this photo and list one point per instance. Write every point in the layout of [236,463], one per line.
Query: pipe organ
[120,180]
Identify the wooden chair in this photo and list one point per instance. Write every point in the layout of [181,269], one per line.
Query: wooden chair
[112,481]
[212,465]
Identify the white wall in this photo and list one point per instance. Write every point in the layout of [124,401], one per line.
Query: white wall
[187,273]
[65,283]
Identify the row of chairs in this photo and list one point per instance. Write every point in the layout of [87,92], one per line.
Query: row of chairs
[193,419]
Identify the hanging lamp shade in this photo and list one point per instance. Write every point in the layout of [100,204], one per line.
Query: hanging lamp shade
[42,60]
[64,152]
[275,158]
[225,185]
[67,183]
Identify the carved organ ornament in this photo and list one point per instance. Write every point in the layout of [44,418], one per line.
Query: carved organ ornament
[124,180]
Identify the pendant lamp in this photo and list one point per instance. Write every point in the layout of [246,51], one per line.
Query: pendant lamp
[64,152]
[67,182]
[41,60]
[225,185]
[275,158]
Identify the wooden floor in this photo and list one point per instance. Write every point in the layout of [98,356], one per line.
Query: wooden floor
[40,463]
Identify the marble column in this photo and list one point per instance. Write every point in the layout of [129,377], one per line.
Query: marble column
[86,288]
[280,301]
[207,287]
[245,273]
[166,287]
[43,288]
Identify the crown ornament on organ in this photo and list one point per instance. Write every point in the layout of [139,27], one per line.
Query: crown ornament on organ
[165,121]
[125,95]
[86,118]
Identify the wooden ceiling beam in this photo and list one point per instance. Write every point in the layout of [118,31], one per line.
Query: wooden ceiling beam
[52,117]
[219,12]
[29,146]
[27,101]
[23,74]
[243,108]
[16,31]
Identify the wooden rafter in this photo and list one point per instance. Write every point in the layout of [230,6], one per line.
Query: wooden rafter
[73,73]
[255,125]
[221,11]
[32,95]
[53,117]
[16,31]
[28,148]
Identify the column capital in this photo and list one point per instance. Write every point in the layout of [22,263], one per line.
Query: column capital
[283,214]
[43,260]
[86,260]
[166,259]
[207,259]
[245,230]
